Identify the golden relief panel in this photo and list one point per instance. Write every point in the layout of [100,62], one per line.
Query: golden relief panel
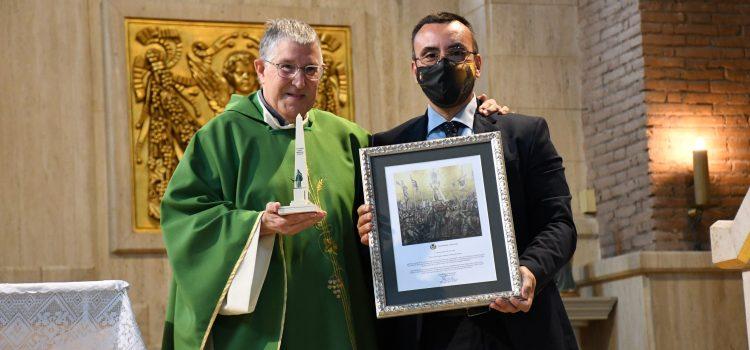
[181,74]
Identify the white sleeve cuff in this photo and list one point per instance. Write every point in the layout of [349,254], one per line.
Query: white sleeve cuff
[245,288]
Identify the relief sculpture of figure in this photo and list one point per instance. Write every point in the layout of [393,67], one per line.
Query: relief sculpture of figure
[168,119]
[333,90]
[237,74]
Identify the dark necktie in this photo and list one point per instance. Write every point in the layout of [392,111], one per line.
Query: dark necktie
[451,129]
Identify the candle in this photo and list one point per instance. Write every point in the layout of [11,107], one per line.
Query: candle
[700,173]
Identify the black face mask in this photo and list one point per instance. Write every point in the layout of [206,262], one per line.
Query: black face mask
[445,83]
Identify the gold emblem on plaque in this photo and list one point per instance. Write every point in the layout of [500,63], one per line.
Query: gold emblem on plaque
[181,74]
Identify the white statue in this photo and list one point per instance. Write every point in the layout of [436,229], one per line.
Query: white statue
[301,202]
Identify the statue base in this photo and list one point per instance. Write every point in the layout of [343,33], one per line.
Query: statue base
[298,208]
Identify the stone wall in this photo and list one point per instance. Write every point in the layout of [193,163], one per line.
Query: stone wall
[614,122]
[532,63]
[697,79]
[657,75]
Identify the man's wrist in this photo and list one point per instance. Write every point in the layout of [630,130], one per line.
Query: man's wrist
[264,230]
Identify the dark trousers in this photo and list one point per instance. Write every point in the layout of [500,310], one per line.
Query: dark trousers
[461,332]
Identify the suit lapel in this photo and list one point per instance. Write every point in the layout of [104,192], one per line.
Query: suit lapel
[418,132]
[484,124]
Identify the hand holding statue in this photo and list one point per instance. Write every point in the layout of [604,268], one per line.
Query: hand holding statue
[271,222]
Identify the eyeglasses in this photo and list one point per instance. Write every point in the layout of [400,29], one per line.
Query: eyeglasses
[455,55]
[289,71]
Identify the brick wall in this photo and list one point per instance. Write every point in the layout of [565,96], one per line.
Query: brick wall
[656,76]
[614,121]
[697,80]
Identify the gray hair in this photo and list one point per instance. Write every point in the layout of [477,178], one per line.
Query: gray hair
[286,28]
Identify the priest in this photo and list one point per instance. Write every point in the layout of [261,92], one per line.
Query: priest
[243,275]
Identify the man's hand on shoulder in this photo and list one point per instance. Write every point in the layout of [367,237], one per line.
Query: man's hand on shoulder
[364,223]
[271,222]
[523,303]
[489,106]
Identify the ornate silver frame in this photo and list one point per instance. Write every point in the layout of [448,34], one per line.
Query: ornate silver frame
[382,308]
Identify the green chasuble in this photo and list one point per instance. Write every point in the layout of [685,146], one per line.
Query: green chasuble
[314,295]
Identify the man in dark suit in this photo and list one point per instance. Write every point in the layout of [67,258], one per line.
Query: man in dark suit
[445,64]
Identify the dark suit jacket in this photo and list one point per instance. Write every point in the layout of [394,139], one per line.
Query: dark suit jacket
[543,222]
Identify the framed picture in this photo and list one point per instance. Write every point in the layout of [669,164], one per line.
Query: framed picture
[442,234]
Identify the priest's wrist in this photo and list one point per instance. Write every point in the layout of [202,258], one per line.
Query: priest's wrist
[264,229]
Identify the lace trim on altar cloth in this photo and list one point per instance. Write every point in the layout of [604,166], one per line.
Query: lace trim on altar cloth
[75,315]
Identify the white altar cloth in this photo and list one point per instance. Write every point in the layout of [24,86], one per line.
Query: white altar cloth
[67,315]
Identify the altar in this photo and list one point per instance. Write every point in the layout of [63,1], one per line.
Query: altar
[68,315]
